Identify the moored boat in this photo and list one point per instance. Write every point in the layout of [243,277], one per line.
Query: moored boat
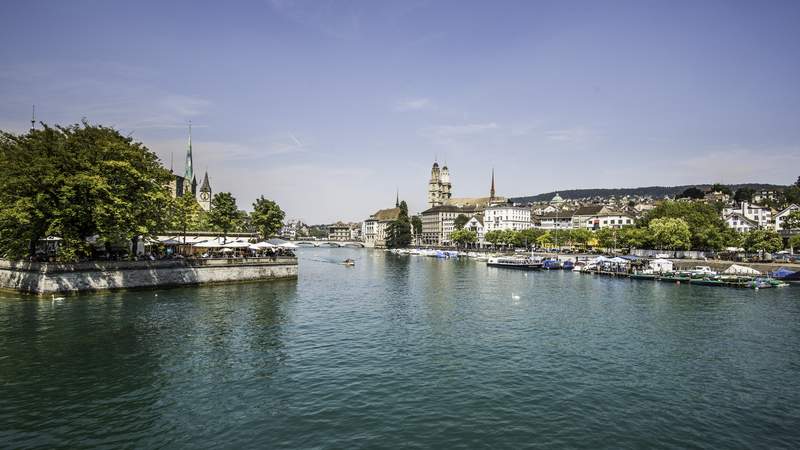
[514,263]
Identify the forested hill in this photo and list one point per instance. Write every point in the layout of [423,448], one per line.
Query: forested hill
[652,191]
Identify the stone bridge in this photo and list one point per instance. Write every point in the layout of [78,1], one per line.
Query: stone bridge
[337,244]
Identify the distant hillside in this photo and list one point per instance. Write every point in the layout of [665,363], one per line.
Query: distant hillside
[652,191]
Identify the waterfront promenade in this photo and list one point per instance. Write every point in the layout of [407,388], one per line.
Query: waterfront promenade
[48,278]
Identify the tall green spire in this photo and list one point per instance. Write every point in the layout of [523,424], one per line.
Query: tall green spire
[189,173]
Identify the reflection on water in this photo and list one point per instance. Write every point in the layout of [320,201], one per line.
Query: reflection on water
[403,351]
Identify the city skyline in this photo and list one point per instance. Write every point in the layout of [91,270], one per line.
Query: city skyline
[328,108]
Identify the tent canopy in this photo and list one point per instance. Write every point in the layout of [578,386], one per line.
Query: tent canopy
[782,272]
[661,265]
[741,270]
[237,244]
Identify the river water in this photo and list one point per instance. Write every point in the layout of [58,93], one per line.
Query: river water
[404,352]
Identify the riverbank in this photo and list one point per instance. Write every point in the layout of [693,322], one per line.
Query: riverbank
[50,278]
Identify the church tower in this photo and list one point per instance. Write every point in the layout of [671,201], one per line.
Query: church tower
[435,187]
[204,196]
[188,175]
[491,189]
[445,183]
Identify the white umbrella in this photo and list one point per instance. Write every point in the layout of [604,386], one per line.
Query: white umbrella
[227,250]
[287,245]
[237,244]
[262,245]
[213,243]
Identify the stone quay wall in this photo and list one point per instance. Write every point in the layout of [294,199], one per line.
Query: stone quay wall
[48,278]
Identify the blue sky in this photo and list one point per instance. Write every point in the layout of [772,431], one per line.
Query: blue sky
[329,106]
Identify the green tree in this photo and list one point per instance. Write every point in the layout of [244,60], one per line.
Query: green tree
[493,237]
[705,223]
[670,233]
[743,195]
[510,238]
[463,237]
[398,233]
[561,237]
[416,226]
[607,238]
[186,214]
[267,217]
[791,221]
[76,182]
[580,236]
[529,236]
[693,193]
[717,187]
[460,221]
[545,240]
[224,215]
[633,237]
[762,241]
[794,243]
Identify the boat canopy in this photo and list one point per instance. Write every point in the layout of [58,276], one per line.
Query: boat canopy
[783,272]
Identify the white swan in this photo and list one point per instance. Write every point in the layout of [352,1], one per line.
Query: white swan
[514,297]
[55,299]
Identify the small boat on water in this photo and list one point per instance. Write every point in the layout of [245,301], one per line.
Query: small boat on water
[349,262]
[514,263]
[551,264]
[568,265]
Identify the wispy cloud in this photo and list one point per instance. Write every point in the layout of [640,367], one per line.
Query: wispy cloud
[571,135]
[413,104]
[455,131]
[331,18]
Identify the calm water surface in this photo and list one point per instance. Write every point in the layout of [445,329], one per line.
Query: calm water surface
[404,352]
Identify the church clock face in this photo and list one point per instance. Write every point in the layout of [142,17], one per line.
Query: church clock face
[204,196]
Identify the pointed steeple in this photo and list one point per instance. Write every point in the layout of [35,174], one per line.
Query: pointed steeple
[33,117]
[189,173]
[491,190]
[397,199]
[206,186]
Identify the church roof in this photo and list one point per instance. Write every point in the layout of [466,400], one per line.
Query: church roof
[474,201]
[387,214]
[557,199]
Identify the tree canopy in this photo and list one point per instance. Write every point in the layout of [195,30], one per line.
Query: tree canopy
[267,217]
[762,241]
[670,233]
[460,221]
[224,215]
[708,230]
[791,221]
[463,237]
[186,214]
[744,195]
[692,192]
[398,233]
[77,182]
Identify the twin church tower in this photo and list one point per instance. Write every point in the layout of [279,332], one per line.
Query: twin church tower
[440,191]
[187,184]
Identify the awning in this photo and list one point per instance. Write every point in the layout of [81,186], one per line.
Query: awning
[741,270]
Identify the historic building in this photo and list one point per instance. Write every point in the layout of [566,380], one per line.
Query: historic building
[376,226]
[439,186]
[507,217]
[438,221]
[187,183]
